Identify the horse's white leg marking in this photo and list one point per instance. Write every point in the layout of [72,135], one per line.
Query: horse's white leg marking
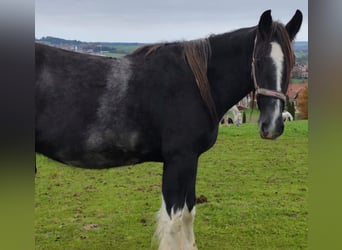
[169,230]
[188,223]
[277,56]
[176,233]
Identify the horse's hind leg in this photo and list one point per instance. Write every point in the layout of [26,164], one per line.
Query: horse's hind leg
[176,216]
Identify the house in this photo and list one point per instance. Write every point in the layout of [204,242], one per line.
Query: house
[293,90]
[300,71]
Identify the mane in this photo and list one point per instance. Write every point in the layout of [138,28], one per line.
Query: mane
[196,54]
[146,50]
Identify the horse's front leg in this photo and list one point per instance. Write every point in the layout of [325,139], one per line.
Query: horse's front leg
[176,216]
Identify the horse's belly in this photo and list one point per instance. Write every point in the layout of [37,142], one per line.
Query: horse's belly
[108,149]
[96,151]
[105,160]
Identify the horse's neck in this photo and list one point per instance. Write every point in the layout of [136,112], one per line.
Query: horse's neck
[229,69]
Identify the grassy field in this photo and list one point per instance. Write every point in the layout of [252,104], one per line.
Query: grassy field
[299,80]
[122,50]
[256,194]
[116,55]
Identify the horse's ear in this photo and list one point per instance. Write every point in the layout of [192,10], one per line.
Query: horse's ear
[294,25]
[265,24]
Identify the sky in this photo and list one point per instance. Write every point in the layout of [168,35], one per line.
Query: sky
[151,21]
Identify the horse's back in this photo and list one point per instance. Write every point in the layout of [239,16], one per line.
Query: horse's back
[80,111]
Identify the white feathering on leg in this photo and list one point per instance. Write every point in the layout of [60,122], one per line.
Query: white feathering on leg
[176,233]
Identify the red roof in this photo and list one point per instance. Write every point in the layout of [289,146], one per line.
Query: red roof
[294,89]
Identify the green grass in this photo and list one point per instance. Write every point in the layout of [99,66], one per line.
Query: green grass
[122,50]
[256,189]
[126,48]
[252,115]
[110,54]
[298,80]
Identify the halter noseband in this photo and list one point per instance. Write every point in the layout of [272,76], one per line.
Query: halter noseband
[263,91]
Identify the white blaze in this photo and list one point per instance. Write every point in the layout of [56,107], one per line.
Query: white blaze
[278,60]
[277,56]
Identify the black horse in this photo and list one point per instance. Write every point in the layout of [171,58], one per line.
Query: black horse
[161,103]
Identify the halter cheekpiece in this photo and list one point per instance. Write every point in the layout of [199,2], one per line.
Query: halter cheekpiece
[263,91]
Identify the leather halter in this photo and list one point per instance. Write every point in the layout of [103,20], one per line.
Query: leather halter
[263,91]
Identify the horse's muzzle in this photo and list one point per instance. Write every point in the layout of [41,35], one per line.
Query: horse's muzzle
[270,132]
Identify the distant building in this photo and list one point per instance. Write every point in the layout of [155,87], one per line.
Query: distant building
[300,71]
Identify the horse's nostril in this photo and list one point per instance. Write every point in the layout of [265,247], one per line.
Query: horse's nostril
[265,131]
[263,128]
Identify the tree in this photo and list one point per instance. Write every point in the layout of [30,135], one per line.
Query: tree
[302,103]
[290,107]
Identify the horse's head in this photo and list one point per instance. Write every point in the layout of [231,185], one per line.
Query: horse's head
[273,59]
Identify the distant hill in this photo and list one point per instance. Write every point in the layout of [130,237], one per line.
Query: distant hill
[57,41]
[113,49]
[118,49]
[301,52]
[300,45]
